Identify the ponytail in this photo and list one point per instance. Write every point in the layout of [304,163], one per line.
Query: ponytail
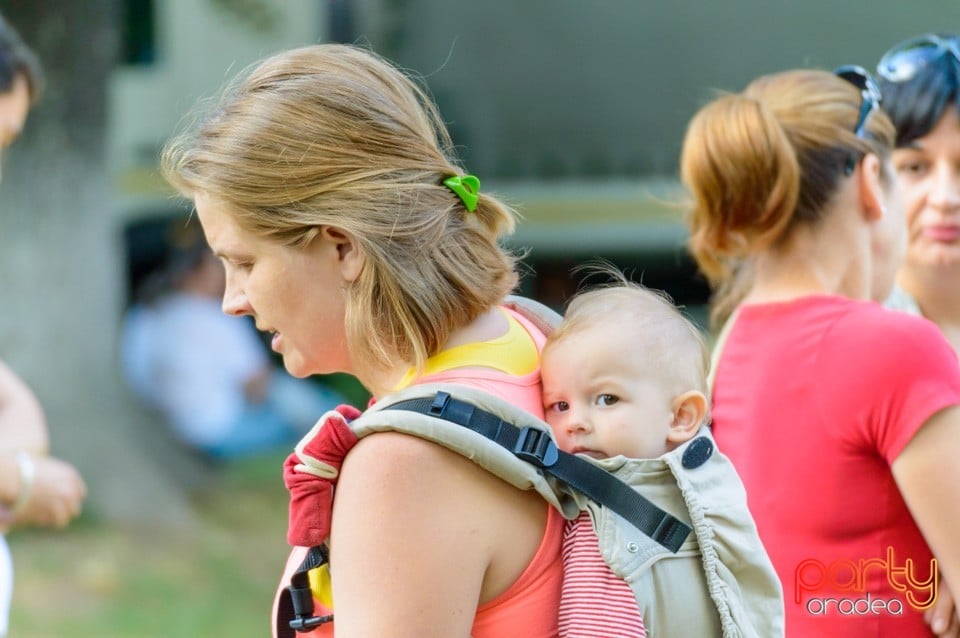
[743,173]
[764,161]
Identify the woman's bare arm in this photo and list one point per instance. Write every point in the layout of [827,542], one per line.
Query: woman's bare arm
[928,475]
[57,491]
[420,538]
[23,426]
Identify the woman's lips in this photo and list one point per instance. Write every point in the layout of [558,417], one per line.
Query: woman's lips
[946,233]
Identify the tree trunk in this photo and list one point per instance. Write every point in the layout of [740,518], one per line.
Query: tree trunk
[62,267]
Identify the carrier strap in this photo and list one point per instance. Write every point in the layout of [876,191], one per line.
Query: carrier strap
[535,446]
[296,600]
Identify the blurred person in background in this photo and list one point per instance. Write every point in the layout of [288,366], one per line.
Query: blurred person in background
[920,81]
[35,488]
[842,418]
[207,374]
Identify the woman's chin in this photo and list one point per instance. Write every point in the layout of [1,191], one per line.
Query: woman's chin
[946,256]
[296,367]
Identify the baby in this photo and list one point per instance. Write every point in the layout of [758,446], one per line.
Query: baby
[624,379]
[625,375]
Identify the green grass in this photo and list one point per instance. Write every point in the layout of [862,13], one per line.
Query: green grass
[97,579]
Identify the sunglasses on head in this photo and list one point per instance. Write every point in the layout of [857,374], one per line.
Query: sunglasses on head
[870,96]
[902,62]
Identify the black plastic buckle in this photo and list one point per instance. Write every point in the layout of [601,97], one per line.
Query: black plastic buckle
[302,600]
[535,446]
[439,404]
[303,625]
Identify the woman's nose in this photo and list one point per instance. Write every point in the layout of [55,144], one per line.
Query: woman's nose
[235,301]
[945,191]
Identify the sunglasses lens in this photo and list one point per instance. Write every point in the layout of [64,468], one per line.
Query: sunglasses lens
[869,92]
[859,80]
[904,61]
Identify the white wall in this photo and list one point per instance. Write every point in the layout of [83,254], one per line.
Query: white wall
[199,47]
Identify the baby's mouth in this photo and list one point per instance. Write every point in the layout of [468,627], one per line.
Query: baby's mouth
[588,452]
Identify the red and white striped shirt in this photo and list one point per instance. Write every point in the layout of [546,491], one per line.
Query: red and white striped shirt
[594,602]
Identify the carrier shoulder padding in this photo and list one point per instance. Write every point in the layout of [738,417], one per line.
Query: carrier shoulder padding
[472,445]
[382,417]
[544,318]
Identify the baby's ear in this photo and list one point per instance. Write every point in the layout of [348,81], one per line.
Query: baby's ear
[689,410]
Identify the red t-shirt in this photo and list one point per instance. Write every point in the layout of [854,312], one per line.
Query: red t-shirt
[814,399]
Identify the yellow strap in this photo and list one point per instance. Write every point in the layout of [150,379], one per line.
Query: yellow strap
[514,353]
[320,585]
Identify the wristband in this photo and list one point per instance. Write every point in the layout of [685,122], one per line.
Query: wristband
[27,471]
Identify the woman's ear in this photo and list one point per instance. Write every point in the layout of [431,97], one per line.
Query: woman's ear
[872,194]
[689,411]
[349,254]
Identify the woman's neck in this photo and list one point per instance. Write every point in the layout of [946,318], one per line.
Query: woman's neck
[937,292]
[489,325]
[808,265]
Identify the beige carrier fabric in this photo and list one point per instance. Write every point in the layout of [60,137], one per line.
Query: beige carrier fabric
[476,447]
[538,314]
[488,455]
[721,582]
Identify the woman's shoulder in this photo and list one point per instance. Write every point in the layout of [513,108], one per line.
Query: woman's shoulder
[882,347]
[441,502]
[402,465]
[876,324]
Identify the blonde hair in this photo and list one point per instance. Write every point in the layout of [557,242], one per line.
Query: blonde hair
[333,135]
[763,161]
[673,347]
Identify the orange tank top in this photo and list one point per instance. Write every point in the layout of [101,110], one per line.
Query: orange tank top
[530,606]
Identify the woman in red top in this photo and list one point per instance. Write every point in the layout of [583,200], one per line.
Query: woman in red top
[842,418]
[324,182]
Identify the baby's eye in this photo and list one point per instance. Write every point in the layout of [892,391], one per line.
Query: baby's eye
[607,399]
[559,406]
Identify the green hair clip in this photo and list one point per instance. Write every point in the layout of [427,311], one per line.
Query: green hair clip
[467,188]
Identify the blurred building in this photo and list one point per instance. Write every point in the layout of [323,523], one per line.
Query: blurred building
[573,110]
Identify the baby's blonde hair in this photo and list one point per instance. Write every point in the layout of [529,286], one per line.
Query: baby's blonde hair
[672,346]
[333,135]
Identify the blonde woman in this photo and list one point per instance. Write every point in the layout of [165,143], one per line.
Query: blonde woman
[325,183]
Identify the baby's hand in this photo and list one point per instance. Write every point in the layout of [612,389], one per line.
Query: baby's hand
[311,472]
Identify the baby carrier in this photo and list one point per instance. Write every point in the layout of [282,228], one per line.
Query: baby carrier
[689,551]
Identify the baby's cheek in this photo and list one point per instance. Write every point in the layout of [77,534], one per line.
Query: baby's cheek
[557,430]
[564,442]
